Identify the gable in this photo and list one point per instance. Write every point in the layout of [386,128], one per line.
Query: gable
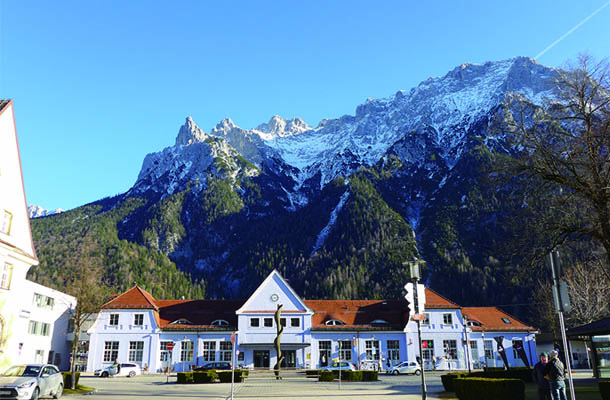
[134,298]
[273,291]
[13,205]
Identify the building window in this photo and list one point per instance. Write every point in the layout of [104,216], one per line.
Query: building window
[186,351]
[268,322]
[111,351]
[427,349]
[226,348]
[334,322]
[221,322]
[324,347]
[241,356]
[474,350]
[39,356]
[114,319]
[136,350]
[506,321]
[517,344]
[209,351]
[254,322]
[448,319]
[372,349]
[295,322]
[345,350]
[393,350]
[283,322]
[427,320]
[5,223]
[5,278]
[138,319]
[489,349]
[39,328]
[165,353]
[450,349]
[42,301]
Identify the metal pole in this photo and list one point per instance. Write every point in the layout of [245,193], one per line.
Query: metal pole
[233,364]
[421,356]
[566,353]
[467,346]
[339,364]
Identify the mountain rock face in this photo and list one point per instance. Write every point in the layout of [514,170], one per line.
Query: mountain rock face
[35,211]
[339,207]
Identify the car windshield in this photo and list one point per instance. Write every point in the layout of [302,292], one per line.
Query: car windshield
[23,370]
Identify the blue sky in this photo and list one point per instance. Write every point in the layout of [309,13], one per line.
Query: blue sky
[99,84]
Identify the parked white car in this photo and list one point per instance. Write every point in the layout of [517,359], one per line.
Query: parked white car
[31,381]
[125,369]
[342,365]
[405,367]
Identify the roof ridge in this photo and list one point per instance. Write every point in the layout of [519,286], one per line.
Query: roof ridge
[143,293]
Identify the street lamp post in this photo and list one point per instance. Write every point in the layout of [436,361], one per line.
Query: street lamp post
[415,276]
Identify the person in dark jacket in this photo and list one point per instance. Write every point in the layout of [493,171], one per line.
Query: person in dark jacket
[556,372]
[544,387]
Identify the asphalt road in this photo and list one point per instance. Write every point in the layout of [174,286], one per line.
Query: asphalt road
[260,387]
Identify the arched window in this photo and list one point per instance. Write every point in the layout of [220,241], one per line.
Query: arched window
[334,322]
[220,322]
[474,323]
[379,322]
[181,322]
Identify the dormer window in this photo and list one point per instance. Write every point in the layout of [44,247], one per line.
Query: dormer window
[181,322]
[220,322]
[379,322]
[474,323]
[506,320]
[334,322]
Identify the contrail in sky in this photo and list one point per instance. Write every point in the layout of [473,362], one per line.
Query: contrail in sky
[549,47]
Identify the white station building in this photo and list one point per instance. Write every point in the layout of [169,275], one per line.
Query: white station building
[33,318]
[372,334]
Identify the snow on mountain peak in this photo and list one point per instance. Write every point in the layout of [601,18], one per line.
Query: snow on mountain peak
[190,133]
[35,211]
[279,127]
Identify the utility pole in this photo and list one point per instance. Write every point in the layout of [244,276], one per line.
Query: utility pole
[415,276]
[562,304]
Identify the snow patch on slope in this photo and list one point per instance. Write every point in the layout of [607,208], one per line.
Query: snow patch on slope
[333,218]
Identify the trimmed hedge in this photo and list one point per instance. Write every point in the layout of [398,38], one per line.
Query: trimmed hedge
[225,376]
[350,376]
[185,377]
[447,380]
[68,379]
[486,388]
[312,373]
[369,376]
[525,374]
[604,389]
[326,376]
[204,376]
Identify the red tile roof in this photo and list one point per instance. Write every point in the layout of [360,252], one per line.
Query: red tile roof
[133,298]
[490,319]
[358,314]
[436,301]
[199,313]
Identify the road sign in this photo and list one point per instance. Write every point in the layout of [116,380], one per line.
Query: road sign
[237,352]
[170,346]
[418,317]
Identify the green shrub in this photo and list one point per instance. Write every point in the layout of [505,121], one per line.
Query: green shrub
[326,376]
[244,372]
[68,379]
[225,376]
[604,389]
[312,373]
[525,374]
[486,388]
[185,377]
[349,376]
[447,380]
[204,376]
[369,376]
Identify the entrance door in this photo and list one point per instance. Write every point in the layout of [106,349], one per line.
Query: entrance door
[261,358]
[290,359]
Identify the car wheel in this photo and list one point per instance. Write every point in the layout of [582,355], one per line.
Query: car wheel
[59,391]
[132,374]
[418,372]
[395,372]
[35,394]
[104,374]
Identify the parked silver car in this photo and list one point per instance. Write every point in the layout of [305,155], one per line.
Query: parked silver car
[343,366]
[405,367]
[123,369]
[31,381]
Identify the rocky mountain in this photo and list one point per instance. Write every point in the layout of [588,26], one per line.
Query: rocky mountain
[35,211]
[340,206]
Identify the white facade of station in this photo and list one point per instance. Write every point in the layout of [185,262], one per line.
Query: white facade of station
[134,327]
[33,318]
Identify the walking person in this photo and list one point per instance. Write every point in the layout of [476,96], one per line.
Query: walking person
[556,372]
[544,386]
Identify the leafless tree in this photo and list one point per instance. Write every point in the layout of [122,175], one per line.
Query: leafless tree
[564,149]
